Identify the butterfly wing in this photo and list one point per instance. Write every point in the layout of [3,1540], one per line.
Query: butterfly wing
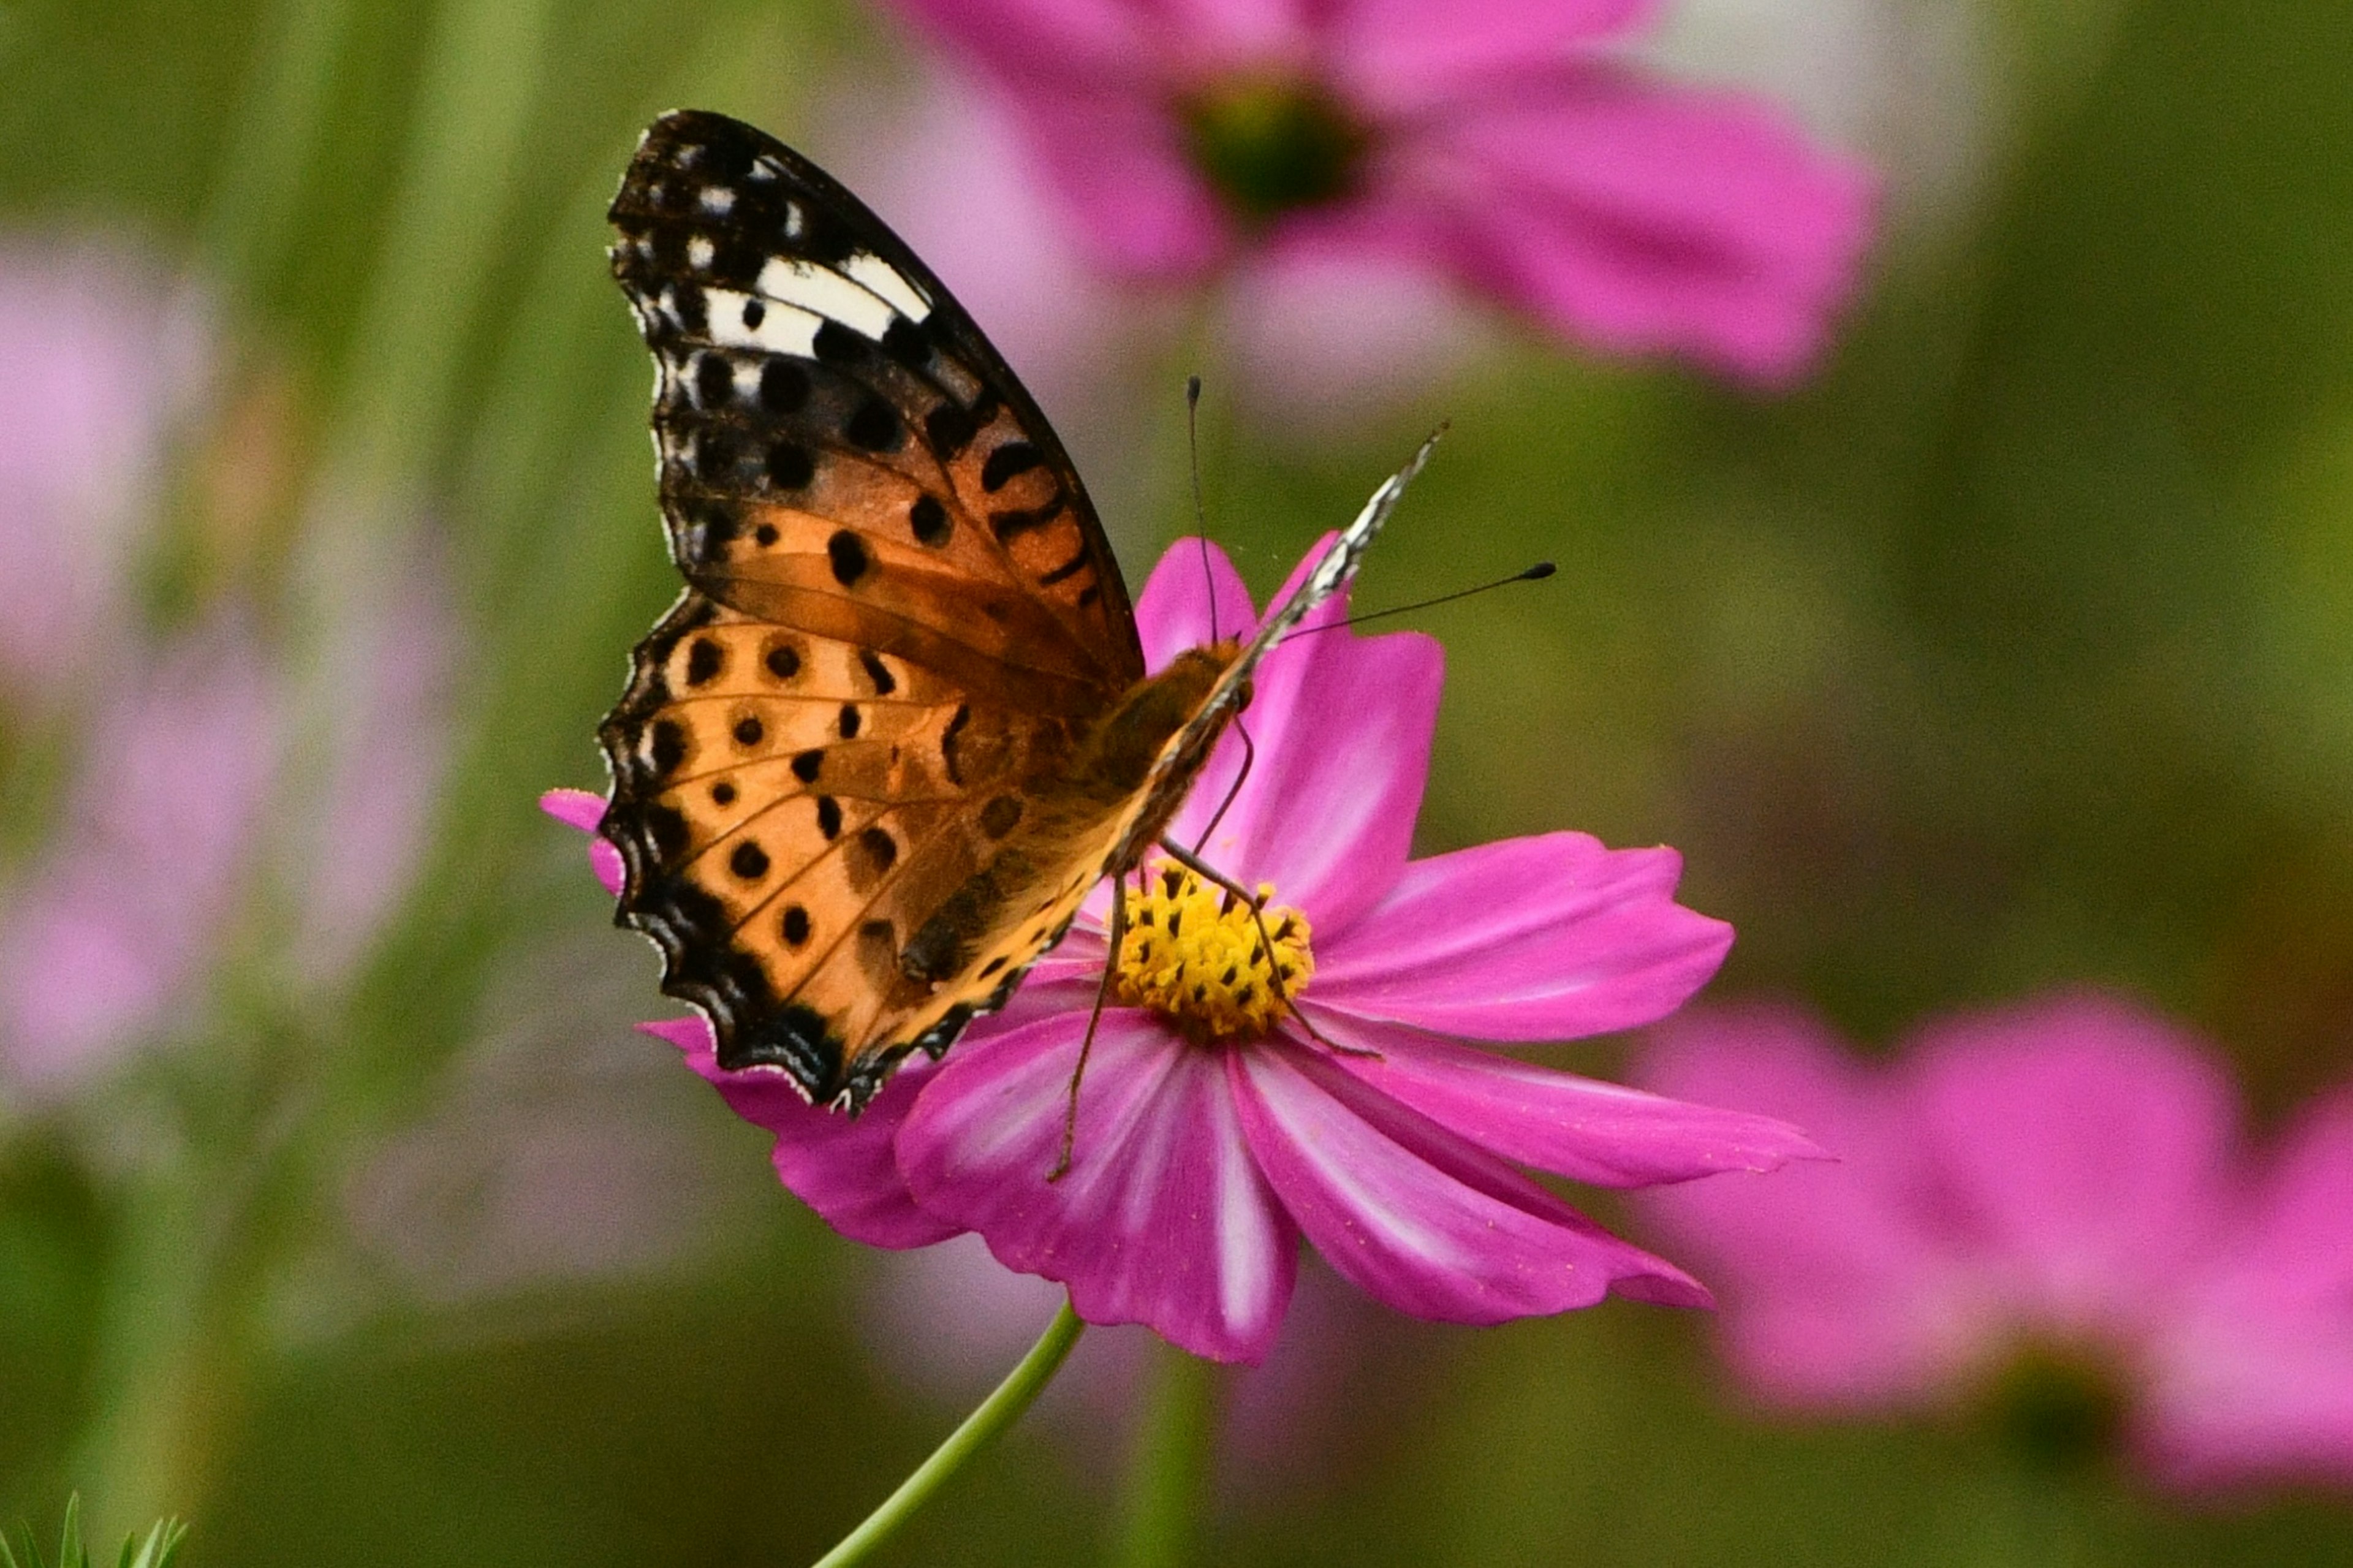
[902,614]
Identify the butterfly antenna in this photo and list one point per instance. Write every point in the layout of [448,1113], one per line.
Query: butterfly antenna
[1200,517]
[1249,761]
[1535,573]
[1094,1020]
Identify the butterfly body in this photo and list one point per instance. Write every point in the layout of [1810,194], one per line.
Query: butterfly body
[899,725]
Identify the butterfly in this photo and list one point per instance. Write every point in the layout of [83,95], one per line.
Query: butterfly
[898,726]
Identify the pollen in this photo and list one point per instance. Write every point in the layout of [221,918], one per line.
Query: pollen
[1199,957]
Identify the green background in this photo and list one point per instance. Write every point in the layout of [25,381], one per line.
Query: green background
[2016,649]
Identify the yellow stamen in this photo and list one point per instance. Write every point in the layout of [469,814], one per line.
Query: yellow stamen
[1193,953]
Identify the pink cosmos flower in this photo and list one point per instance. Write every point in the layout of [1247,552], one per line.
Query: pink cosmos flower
[2055,1188]
[1498,143]
[1210,1142]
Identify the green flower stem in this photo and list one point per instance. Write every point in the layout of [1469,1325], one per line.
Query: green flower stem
[982,1427]
[1172,1462]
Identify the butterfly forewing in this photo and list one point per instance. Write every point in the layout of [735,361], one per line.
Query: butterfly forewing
[902,614]
[869,766]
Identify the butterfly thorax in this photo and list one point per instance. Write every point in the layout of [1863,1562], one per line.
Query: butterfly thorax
[1117,755]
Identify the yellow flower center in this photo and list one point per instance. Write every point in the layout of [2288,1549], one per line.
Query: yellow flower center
[1197,955]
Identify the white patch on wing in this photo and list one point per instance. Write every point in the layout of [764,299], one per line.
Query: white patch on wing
[718,200]
[764,168]
[878,276]
[782,329]
[827,293]
[699,252]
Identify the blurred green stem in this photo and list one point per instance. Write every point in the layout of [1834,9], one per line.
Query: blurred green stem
[1171,1464]
[177,1336]
[982,1426]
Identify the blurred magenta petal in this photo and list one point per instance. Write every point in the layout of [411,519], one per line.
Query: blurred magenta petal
[1643,220]
[1599,1133]
[2057,1176]
[2085,1143]
[841,1167]
[1552,938]
[1419,1218]
[103,939]
[2256,1381]
[1040,43]
[1834,1295]
[1119,165]
[1396,54]
[1162,1218]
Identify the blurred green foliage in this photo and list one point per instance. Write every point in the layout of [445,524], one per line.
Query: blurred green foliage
[2012,652]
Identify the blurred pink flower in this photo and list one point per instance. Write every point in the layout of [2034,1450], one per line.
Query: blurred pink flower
[2059,1186]
[554,1150]
[379,685]
[102,936]
[1498,143]
[1200,1166]
[99,358]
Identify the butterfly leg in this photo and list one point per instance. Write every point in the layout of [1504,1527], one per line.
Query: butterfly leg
[1102,993]
[1211,874]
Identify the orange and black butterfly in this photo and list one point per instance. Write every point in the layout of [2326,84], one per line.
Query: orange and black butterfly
[898,726]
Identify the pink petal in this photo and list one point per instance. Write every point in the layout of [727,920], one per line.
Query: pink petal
[575,808]
[1837,1292]
[1419,1218]
[842,1166]
[1394,54]
[1032,46]
[2256,1379]
[1530,939]
[1638,219]
[578,808]
[1194,596]
[1343,728]
[1162,1219]
[1576,1127]
[2082,1143]
[1090,85]
[1118,162]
